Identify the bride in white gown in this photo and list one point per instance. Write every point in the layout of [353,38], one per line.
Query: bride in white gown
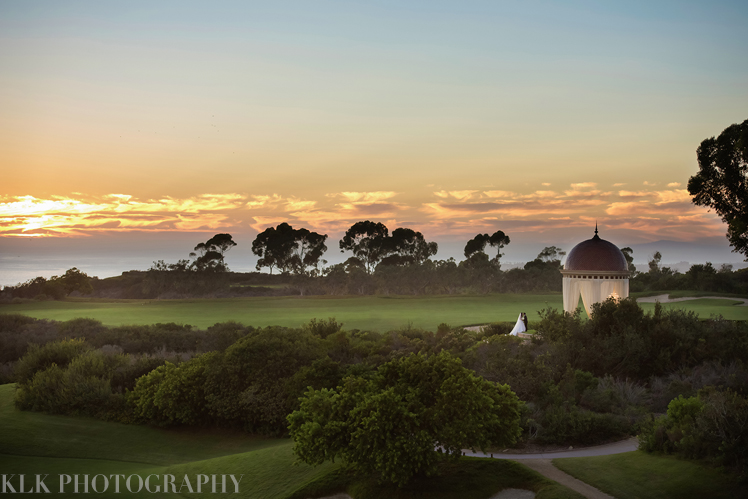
[519,327]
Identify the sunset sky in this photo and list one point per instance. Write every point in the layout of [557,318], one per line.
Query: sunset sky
[153,125]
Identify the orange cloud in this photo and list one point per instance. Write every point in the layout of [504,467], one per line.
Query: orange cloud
[29,216]
[650,212]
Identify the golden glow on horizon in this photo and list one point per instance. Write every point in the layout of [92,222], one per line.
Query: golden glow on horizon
[652,213]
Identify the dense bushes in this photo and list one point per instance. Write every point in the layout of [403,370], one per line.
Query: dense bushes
[700,277]
[583,380]
[67,377]
[39,358]
[252,385]
[712,425]
[620,340]
[18,333]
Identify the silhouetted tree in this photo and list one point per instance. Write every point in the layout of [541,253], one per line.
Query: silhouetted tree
[275,246]
[408,247]
[551,253]
[476,248]
[722,184]
[654,263]
[628,254]
[289,249]
[310,247]
[209,256]
[75,280]
[368,242]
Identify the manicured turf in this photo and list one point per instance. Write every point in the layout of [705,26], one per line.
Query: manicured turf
[36,434]
[706,308]
[468,478]
[374,313]
[54,467]
[33,443]
[685,293]
[646,476]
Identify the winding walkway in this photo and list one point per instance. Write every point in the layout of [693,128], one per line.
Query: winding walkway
[667,299]
[628,445]
[541,462]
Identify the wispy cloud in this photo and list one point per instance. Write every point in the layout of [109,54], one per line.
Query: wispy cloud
[365,197]
[581,204]
[58,216]
[648,211]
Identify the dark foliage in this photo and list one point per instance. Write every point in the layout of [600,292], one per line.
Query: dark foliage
[584,381]
[722,181]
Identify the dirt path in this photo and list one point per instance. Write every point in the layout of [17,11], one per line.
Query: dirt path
[667,299]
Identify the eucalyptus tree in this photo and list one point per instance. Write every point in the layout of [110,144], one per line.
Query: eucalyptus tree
[288,249]
[368,242]
[209,256]
[475,249]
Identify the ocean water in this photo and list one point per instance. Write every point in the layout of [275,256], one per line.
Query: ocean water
[22,259]
[20,268]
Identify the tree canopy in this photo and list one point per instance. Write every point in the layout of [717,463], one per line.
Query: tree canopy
[289,249]
[628,254]
[407,247]
[209,256]
[368,242]
[414,412]
[551,254]
[721,182]
[371,245]
[475,249]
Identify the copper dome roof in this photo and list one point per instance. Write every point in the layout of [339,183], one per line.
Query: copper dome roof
[596,255]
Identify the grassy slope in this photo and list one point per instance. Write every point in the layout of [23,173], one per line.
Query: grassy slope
[377,313]
[32,443]
[36,434]
[706,308]
[683,293]
[646,476]
[468,478]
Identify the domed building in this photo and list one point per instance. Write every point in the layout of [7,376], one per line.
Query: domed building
[597,270]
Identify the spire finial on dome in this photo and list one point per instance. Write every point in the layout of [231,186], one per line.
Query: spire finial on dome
[595,227]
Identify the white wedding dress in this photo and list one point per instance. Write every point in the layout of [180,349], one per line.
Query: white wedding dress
[519,327]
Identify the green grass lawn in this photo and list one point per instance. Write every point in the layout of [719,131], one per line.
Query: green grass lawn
[33,443]
[374,313]
[36,434]
[646,476]
[706,308]
[683,293]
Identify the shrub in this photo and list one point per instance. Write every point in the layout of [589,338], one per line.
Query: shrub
[173,394]
[323,328]
[81,388]
[39,358]
[711,425]
[566,424]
